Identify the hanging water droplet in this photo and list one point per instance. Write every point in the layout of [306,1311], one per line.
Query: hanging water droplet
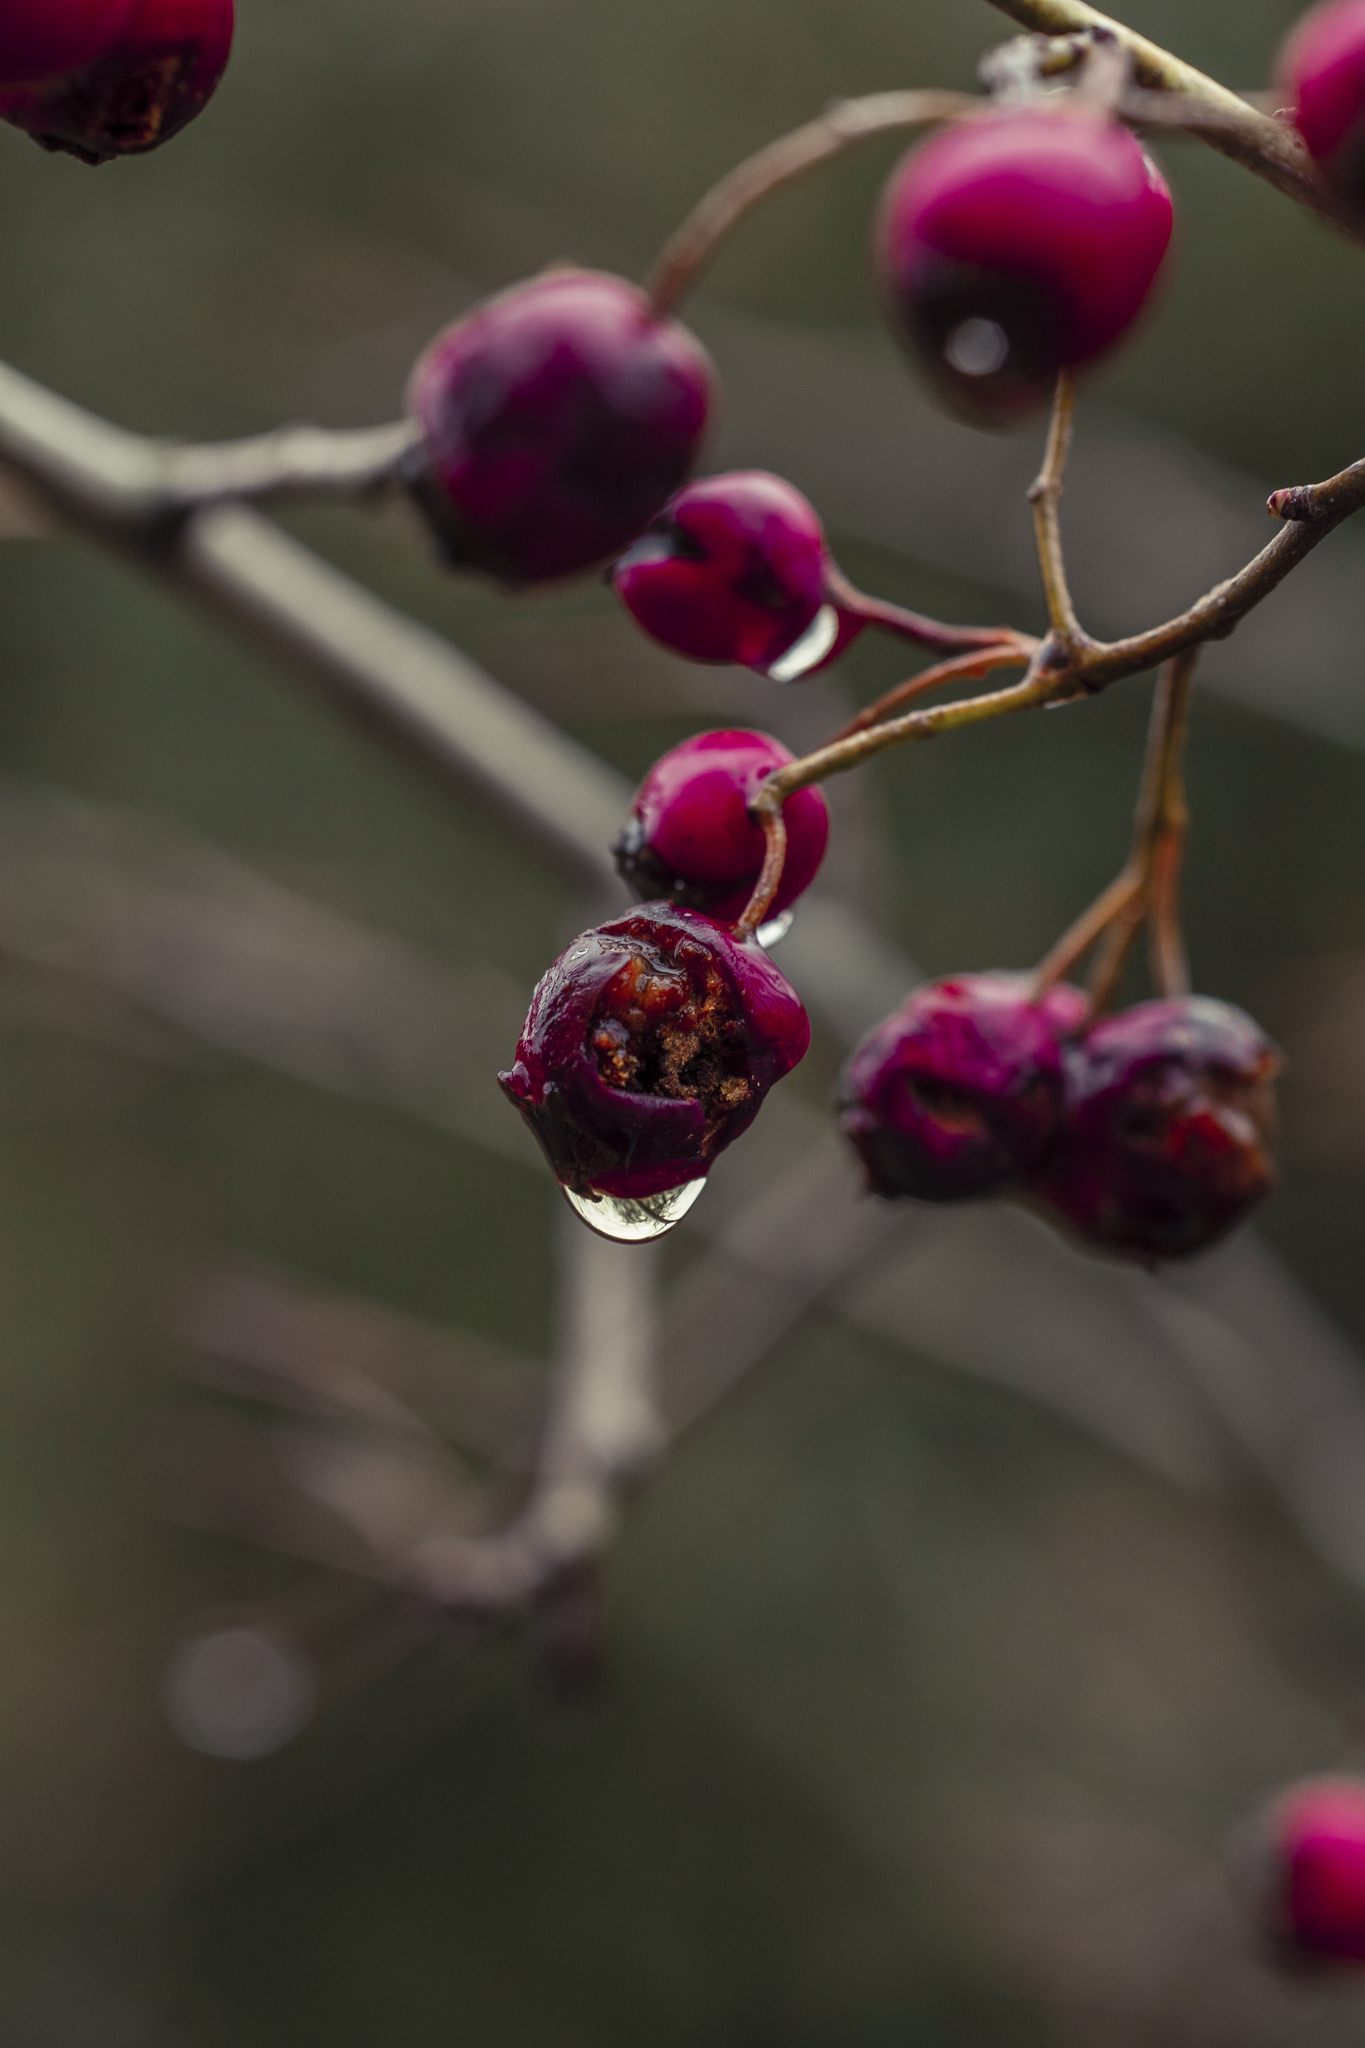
[776,929]
[977,348]
[807,652]
[635,1222]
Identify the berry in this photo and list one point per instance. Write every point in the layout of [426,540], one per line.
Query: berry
[733,569]
[41,38]
[690,837]
[649,1047]
[960,1092]
[1304,1857]
[1170,1118]
[1017,244]
[557,421]
[1322,66]
[154,67]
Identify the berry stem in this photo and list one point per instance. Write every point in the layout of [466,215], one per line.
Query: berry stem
[908,625]
[1018,653]
[1045,494]
[770,874]
[1147,890]
[691,247]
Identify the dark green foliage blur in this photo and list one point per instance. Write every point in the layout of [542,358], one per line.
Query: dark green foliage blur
[918,1695]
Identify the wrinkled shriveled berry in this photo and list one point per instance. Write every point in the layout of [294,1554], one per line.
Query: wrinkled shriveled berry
[649,1047]
[1169,1125]
[960,1092]
[1017,244]
[733,569]
[557,420]
[154,68]
[1322,65]
[1302,1863]
[690,837]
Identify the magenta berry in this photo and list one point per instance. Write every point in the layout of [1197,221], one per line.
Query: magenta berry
[733,569]
[152,68]
[649,1047]
[1170,1122]
[1322,66]
[1302,1862]
[1017,244]
[45,38]
[690,837]
[960,1092]
[557,420]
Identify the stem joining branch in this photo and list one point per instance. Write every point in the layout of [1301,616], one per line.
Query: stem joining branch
[1045,495]
[687,252]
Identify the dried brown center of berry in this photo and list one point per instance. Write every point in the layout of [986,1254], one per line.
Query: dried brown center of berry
[662,1031]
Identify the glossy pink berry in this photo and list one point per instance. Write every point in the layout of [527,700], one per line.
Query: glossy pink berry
[960,1092]
[649,1047]
[690,838]
[1302,1862]
[1322,67]
[154,66]
[557,420]
[1017,244]
[733,569]
[1169,1127]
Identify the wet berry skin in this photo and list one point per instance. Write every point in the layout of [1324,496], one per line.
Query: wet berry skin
[690,837]
[154,70]
[557,420]
[1322,66]
[732,570]
[1016,244]
[1302,1861]
[648,1048]
[960,1092]
[1169,1127]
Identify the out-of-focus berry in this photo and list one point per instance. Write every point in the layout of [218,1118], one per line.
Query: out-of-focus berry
[1170,1119]
[959,1093]
[155,66]
[43,38]
[690,837]
[1301,1866]
[1017,244]
[1322,67]
[649,1047]
[557,420]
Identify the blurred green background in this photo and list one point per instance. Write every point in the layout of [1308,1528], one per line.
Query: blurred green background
[929,1707]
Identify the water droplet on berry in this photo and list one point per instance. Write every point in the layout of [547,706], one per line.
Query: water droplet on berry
[635,1222]
[775,930]
[810,650]
[977,348]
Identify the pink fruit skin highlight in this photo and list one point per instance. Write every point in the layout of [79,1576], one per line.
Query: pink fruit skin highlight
[690,837]
[1322,67]
[1049,225]
[557,419]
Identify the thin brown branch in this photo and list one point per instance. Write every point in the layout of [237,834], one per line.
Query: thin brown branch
[962,668]
[688,251]
[1251,138]
[908,625]
[1045,495]
[770,874]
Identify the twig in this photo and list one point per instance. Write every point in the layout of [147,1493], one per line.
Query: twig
[1045,497]
[687,252]
[907,625]
[770,874]
[962,668]
[1253,139]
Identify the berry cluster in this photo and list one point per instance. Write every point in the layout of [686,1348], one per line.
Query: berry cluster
[1147,1134]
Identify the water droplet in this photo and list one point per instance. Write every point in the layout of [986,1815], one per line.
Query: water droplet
[635,1222]
[776,929]
[806,653]
[977,348]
